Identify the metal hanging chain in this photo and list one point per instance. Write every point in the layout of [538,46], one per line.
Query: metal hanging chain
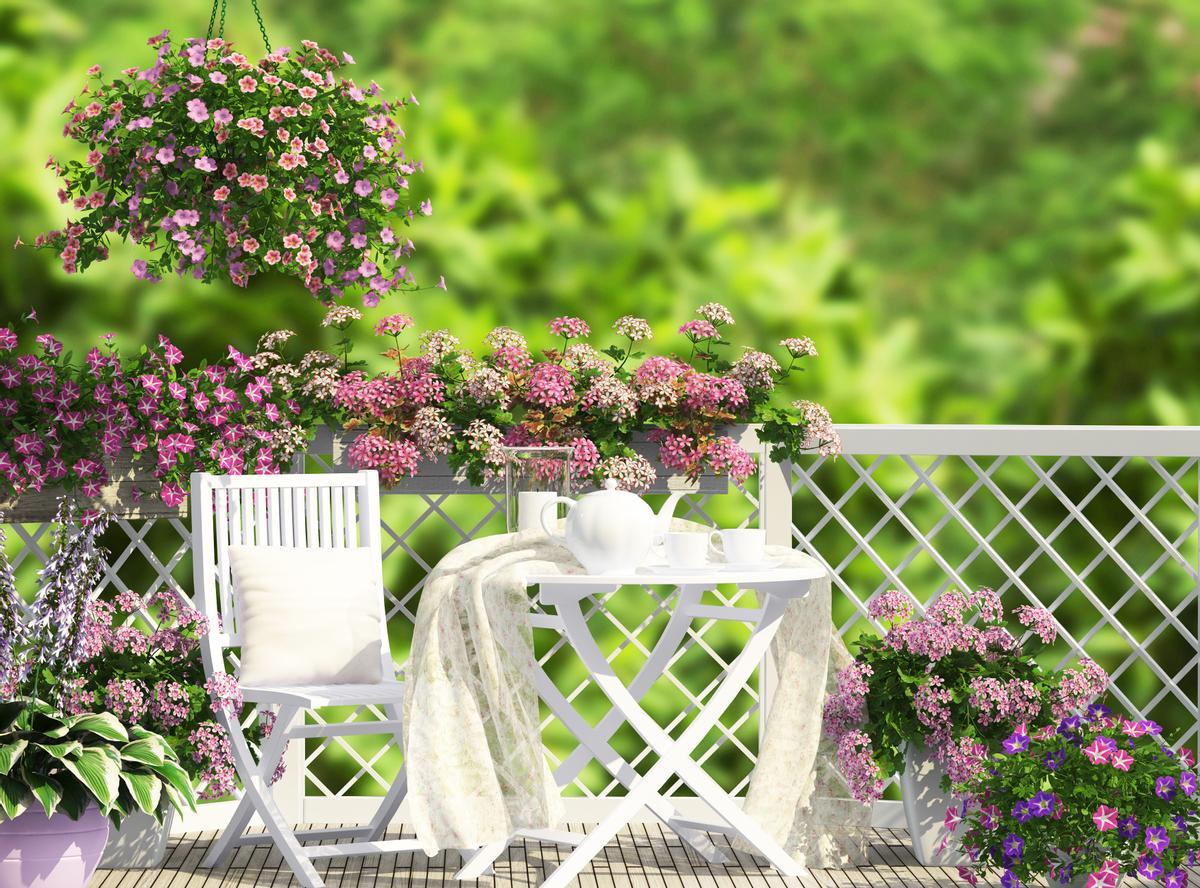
[262,29]
[212,20]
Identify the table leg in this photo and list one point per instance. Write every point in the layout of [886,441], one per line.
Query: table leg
[674,755]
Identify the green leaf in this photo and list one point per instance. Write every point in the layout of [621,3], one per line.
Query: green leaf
[145,750]
[145,788]
[10,752]
[46,790]
[102,724]
[97,770]
[61,750]
[179,779]
[9,711]
[12,797]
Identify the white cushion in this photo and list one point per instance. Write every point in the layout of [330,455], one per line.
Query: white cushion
[307,616]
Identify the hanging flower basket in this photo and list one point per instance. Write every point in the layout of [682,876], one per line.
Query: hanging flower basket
[224,167]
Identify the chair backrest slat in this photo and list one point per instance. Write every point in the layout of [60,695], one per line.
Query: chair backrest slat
[306,511]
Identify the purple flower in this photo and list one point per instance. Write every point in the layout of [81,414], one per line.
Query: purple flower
[1176,878]
[1016,742]
[1187,782]
[1156,839]
[1021,812]
[363,187]
[1150,867]
[1054,759]
[1014,847]
[1164,788]
[1042,804]
[1128,827]
[1009,879]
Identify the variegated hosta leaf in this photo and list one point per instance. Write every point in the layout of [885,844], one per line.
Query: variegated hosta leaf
[146,790]
[61,750]
[12,797]
[102,724]
[10,752]
[99,769]
[46,790]
[179,779]
[146,751]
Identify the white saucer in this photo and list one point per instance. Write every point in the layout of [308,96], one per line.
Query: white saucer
[714,567]
[768,564]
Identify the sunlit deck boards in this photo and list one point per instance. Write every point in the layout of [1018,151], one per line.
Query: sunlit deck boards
[643,857]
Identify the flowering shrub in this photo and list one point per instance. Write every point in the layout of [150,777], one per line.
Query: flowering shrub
[66,421]
[941,682]
[1090,794]
[221,166]
[57,755]
[136,659]
[445,401]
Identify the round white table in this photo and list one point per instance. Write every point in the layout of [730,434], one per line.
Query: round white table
[563,598]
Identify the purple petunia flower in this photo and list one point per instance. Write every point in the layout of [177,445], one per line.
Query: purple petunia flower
[1187,782]
[1156,839]
[1164,788]
[1014,847]
[1054,759]
[1176,878]
[1150,867]
[1042,804]
[1128,827]
[1021,812]
[1016,742]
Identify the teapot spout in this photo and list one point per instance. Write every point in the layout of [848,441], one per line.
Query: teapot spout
[667,512]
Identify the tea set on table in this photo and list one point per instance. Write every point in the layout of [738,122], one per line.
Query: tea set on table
[612,531]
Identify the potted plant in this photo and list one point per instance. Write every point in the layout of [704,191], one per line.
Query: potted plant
[142,663]
[1085,801]
[611,407]
[224,168]
[933,696]
[65,776]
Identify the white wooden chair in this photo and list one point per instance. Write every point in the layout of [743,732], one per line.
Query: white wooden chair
[312,511]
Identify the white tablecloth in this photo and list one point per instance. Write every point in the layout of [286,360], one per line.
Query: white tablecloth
[476,769]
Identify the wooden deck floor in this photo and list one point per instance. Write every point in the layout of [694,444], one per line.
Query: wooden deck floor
[644,856]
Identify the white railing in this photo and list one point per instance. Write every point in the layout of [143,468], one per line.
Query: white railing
[1099,524]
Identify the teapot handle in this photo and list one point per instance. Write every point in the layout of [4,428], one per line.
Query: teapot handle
[550,530]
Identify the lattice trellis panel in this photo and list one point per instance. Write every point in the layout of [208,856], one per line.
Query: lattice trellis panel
[1107,543]
[420,527]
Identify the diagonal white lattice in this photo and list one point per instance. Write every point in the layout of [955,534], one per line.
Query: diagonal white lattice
[1108,544]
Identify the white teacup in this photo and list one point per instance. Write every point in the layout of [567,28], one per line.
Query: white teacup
[744,545]
[686,549]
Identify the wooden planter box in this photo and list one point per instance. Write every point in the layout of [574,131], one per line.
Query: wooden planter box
[116,497]
[436,478]
[329,451]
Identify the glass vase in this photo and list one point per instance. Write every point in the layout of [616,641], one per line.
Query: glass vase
[533,477]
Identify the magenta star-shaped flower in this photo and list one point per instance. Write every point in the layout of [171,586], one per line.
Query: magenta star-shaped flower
[1121,760]
[1105,818]
[1097,753]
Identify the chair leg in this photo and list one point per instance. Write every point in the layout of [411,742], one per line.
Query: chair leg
[258,793]
[399,788]
[271,750]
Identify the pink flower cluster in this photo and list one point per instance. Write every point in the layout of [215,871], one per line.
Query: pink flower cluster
[224,167]
[66,422]
[509,397]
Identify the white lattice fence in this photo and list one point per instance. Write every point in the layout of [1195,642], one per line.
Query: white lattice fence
[1097,524]
[427,516]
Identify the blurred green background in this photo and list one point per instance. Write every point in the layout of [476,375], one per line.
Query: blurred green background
[981,210]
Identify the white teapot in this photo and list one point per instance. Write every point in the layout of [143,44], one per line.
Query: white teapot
[610,531]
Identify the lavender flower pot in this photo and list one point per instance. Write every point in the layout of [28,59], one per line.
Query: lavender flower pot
[925,804]
[37,851]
